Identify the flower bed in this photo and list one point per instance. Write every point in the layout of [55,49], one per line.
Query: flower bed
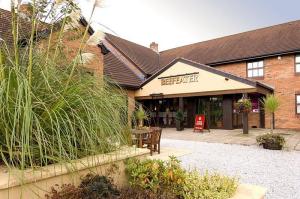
[156,179]
[34,184]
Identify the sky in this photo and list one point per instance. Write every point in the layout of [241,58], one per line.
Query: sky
[173,23]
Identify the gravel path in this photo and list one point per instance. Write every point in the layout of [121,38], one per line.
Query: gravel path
[278,171]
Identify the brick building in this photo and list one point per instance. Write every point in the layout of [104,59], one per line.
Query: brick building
[208,77]
[203,78]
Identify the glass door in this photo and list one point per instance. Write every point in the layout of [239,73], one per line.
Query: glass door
[212,108]
[216,112]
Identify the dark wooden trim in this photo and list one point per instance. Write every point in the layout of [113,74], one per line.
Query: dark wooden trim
[254,58]
[208,69]
[227,112]
[128,87]
[209,93]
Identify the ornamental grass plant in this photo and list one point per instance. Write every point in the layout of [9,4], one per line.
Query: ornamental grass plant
[51,109]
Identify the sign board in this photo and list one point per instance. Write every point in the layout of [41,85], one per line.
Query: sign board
[199,122]
[179,79]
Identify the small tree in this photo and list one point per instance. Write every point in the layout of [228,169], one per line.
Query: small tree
[271,104]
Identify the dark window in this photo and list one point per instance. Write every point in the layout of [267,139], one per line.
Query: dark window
[297,63]
[255,69]
[298,104]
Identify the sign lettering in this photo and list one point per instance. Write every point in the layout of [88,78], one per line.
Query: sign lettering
[179,79]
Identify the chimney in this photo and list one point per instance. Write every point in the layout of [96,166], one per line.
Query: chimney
[154,47]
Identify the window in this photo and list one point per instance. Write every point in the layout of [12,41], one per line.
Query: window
[298,104]
[297,63]
[255,69]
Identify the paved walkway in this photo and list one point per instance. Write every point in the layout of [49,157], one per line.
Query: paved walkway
[231,136]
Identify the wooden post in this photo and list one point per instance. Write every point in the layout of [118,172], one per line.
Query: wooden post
[180,104]
[245,118]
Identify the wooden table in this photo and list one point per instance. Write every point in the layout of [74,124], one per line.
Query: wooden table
[140,134]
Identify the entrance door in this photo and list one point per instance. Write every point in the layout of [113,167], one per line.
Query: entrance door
[212,108]
[216,112]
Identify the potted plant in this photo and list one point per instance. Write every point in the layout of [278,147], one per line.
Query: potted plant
[179,117]
[141,115]
[271,141]
[243,105]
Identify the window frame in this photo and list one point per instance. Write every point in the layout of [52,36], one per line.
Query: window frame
[297,104]
[297,63]
[257,68]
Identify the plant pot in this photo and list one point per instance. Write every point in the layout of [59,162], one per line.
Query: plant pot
[179,125]
[272,146]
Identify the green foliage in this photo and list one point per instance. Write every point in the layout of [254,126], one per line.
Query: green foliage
[271,103]
[208,186]
[271,141]
[95,186]
[51,110]
[141,115]
[145,174]
[91,187]
[156,175]
[168,177]
[179,116]
[243,105]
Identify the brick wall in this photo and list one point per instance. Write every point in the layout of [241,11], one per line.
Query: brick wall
[253,120]
[279,73]
[71,42]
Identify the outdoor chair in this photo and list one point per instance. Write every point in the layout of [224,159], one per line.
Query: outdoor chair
[153,140]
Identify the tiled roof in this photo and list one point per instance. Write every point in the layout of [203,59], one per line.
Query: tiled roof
[6,27]
[119,72]
[144,58]
[268,41]
[264,42]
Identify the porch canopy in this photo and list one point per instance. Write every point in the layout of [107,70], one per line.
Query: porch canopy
[185,78]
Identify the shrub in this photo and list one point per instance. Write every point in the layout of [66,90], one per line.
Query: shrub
[145,174]
[134,193]
[208,186]
[156,175]
[91,187]
[95,186]
[179,116]
[66,191]
[271,141]
[168,178]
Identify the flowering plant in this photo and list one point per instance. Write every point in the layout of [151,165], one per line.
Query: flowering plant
[243,105]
